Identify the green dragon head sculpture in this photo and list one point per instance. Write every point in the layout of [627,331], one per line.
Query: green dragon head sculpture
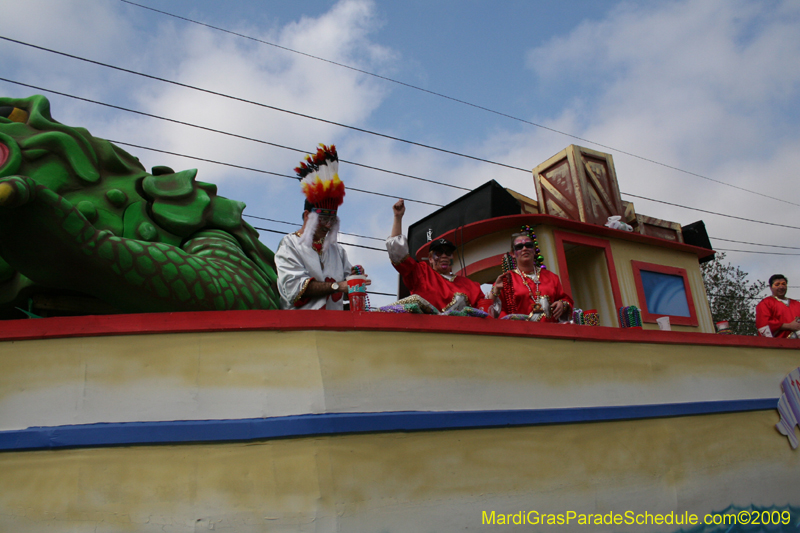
[85,229]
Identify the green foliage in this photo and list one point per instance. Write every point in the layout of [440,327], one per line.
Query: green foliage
[731,295]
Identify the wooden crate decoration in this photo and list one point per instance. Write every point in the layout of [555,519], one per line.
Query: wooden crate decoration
[579,184]
[655,227]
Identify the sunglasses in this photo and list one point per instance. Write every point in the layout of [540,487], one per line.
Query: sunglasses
[522,245]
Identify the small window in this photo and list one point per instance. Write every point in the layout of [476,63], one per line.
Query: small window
[664,291]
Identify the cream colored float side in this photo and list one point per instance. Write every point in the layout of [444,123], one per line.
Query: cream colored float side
[242,375]
[377,422]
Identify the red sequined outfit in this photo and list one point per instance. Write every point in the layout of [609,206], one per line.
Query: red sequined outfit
[520,299]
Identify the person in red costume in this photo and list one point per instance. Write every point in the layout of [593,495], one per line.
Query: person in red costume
[518,291]
[777,315]
[431,279]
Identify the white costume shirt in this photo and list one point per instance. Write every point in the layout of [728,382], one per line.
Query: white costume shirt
[297,264]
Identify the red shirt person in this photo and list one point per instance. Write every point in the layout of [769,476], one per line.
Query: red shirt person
[431,279]
[519,290]
[777,315]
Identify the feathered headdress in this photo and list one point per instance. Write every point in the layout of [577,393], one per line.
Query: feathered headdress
[319,179]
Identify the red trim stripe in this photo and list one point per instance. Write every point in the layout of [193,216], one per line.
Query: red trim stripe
[213,321]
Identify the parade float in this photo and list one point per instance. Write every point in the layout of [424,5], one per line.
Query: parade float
[177,398]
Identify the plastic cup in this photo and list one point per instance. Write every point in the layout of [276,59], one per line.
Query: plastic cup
[357,292]
[358,301]
[485,304]
[663,323]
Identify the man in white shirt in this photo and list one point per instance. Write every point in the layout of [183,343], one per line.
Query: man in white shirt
[312,271]
[312,265]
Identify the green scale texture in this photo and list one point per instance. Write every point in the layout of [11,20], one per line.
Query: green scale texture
[80,216]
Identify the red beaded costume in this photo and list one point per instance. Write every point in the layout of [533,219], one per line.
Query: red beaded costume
[524,291]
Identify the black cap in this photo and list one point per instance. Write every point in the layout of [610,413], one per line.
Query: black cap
[439,244]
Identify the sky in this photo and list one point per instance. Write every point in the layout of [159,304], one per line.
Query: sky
[672,89]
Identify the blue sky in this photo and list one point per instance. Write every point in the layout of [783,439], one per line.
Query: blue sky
[710,87]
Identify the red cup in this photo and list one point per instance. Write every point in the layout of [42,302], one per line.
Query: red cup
[484,304]
[358,301]
[357,291]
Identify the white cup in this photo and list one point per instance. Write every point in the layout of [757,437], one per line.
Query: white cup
[663,323]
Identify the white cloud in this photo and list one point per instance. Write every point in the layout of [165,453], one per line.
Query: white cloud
[710,87]
[702,86]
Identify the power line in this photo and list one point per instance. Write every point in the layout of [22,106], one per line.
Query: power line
[221,132]
[296,224]
[261,171]
[260,104]
[752,252]
[710,212]
[439,205]
[756,243]
[340,242]
[464,102]
[349,162]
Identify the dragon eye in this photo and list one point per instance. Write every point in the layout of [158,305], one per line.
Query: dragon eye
[14,114]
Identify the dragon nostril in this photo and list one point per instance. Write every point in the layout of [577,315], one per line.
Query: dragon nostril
[3,154]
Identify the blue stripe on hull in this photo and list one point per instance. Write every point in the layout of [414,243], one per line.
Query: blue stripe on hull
[187,431]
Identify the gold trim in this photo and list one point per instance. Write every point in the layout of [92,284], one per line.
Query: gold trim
[302,290]
[453,301]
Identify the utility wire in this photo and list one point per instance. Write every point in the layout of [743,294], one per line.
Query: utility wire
[439,205]
[350,162]
[710,212]
[150,115]
[464,102]
[260,104]
[756,243]
[260,171]
[340,242]
[296,224]
[752,252]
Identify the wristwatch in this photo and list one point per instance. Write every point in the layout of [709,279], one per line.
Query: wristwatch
[335,286]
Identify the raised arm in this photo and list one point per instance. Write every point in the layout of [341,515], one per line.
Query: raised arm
[399,209]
